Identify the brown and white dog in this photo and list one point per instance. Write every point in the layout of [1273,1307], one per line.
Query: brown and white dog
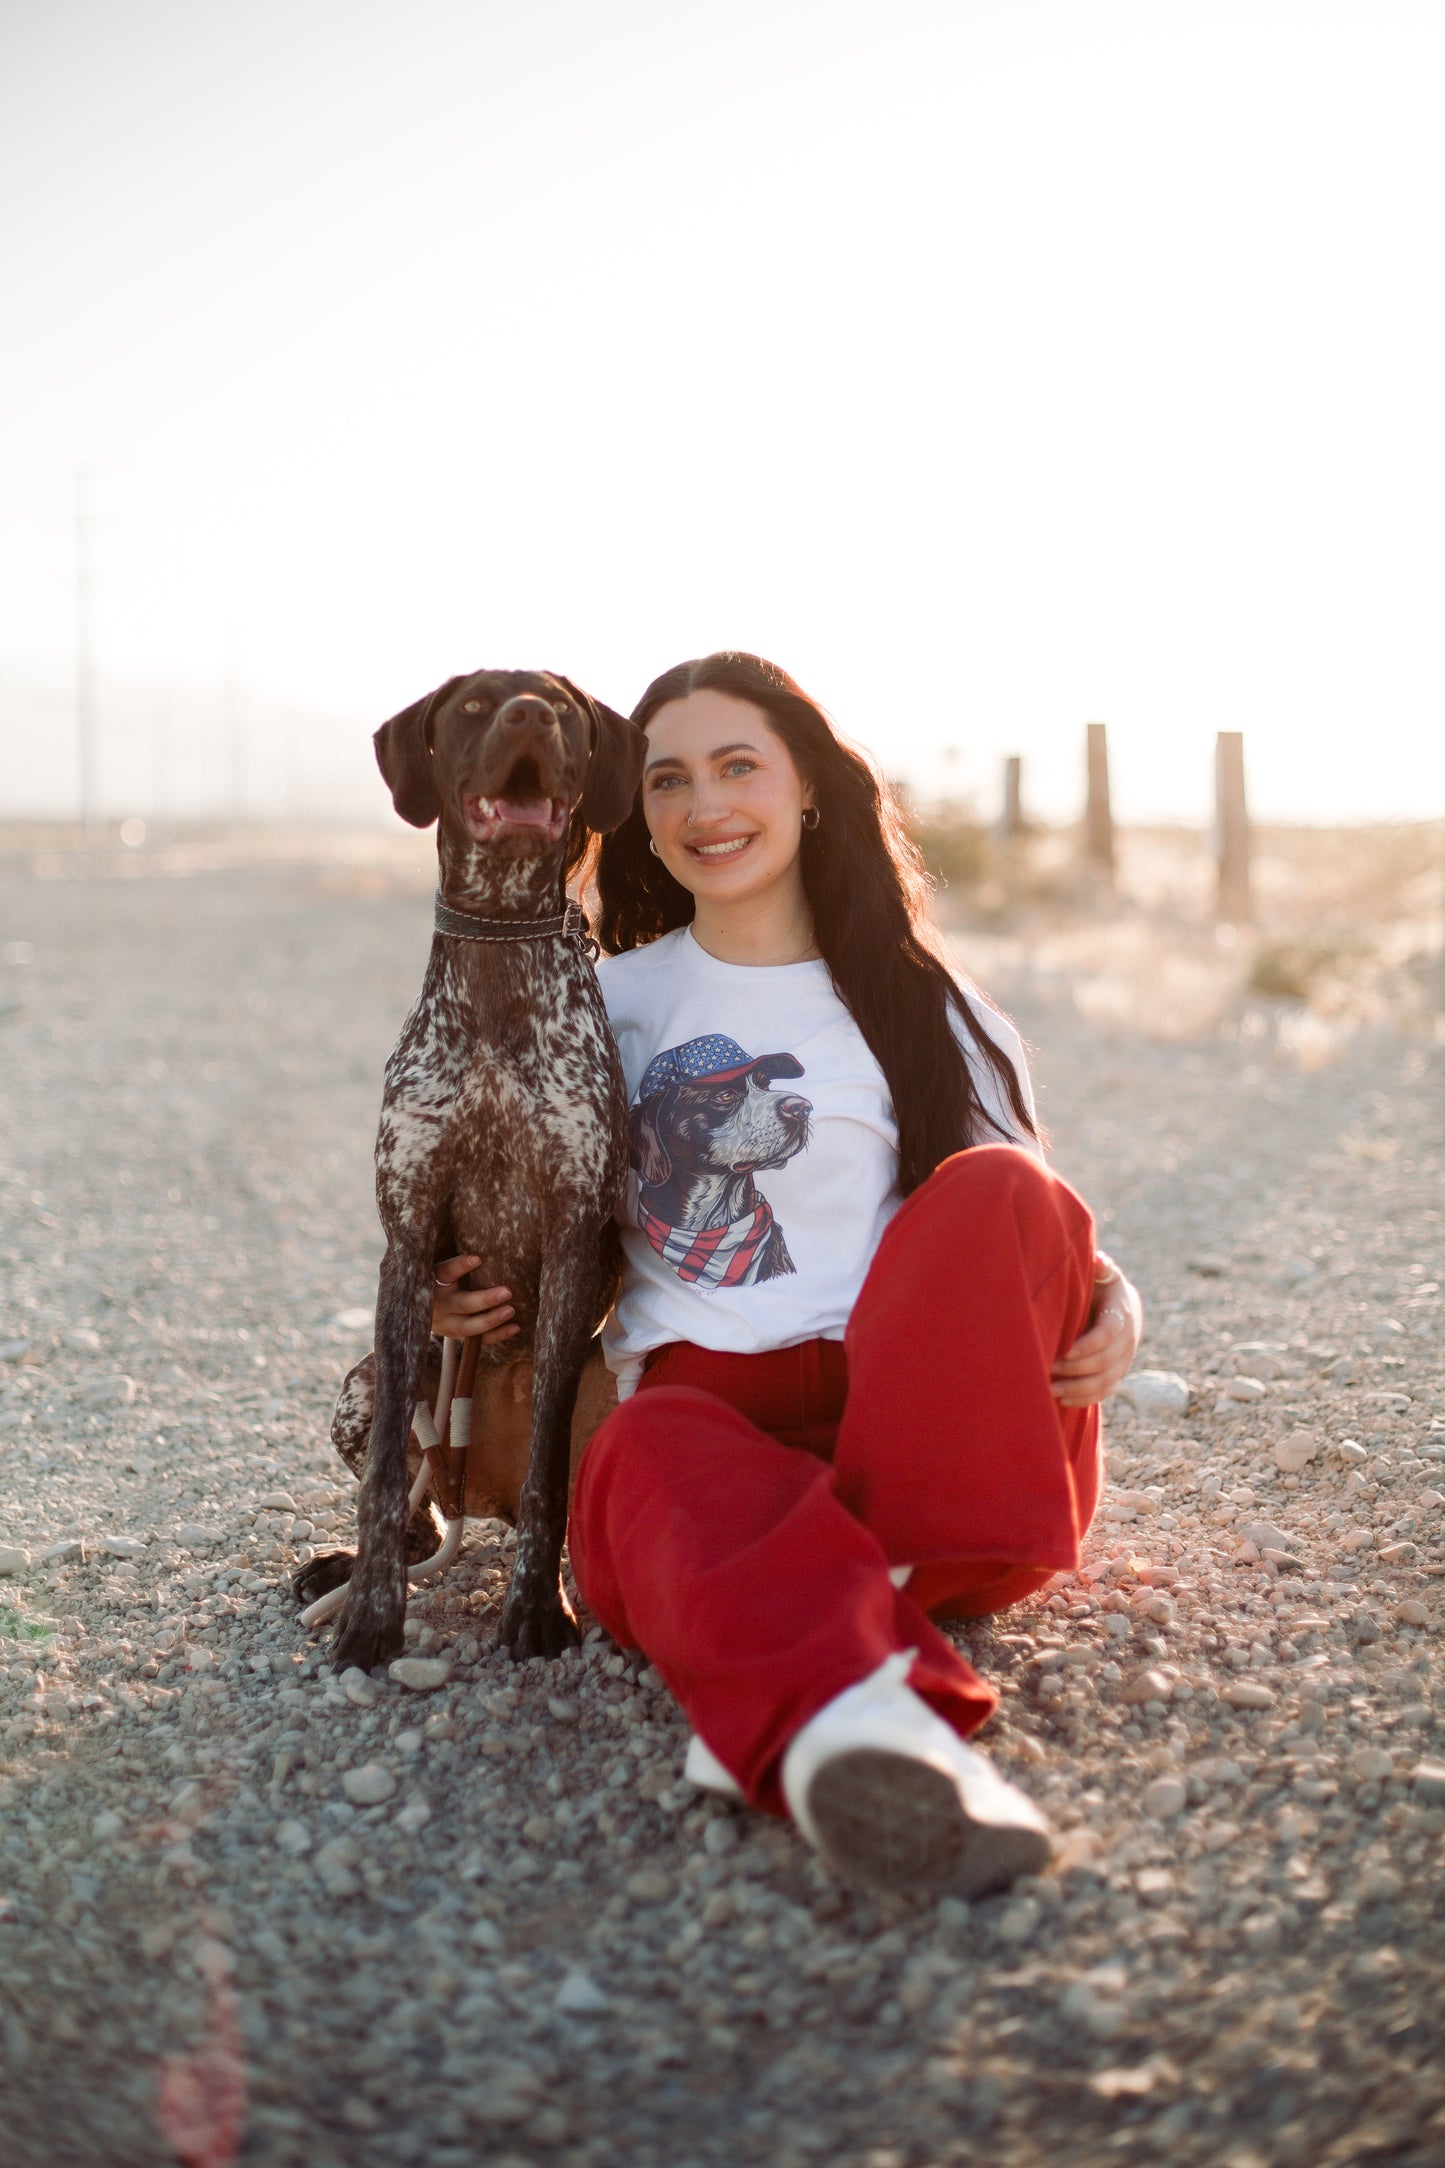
[504,1116]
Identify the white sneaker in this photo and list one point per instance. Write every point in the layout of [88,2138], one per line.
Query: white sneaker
[895,1800]
[703,1769]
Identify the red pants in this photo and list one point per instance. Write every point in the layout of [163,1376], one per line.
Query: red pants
[737,1518]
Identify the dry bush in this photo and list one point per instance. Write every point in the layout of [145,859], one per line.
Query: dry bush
[1347,933]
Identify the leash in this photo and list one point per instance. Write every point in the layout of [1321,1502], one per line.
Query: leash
[444,1435]
[569,924]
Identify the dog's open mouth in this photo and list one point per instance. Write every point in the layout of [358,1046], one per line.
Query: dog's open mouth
[520,807]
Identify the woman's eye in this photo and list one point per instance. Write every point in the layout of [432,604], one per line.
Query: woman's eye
[740,767]
[664,782]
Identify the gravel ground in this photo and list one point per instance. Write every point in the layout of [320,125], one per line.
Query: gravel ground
[245,1909]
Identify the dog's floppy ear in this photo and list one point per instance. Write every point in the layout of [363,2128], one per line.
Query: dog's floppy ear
[649,1153]
[615,769]
[403,754]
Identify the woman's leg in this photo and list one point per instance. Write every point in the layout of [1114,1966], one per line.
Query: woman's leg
[757,1595]
[952,1448]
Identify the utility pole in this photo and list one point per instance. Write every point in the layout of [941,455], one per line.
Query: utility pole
[85,645]
[1099,818]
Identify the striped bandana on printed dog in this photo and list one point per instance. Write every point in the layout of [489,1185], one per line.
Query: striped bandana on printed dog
[714,1256]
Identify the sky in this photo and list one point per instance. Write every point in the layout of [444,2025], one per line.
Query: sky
[996,366]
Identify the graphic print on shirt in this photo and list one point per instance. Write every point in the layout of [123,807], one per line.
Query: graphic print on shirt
[706,1121]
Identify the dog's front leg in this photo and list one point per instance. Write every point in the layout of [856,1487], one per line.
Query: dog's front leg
[371,1625]
[537,1620]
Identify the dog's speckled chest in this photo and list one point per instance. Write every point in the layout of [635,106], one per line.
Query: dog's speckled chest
[501,1111]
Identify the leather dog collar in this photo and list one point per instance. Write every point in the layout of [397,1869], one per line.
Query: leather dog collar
[570,924]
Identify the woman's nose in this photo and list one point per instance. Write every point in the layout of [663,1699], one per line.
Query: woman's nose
[708,804]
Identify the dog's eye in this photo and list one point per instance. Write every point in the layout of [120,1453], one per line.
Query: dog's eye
[560,708]
[471,707]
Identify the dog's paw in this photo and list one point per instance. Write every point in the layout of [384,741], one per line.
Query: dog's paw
[371,1633]
[537,1625]
[324,1572]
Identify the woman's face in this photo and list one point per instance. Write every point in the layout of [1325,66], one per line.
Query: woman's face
[722,798]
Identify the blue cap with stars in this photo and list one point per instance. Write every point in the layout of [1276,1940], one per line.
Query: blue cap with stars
[711,1059]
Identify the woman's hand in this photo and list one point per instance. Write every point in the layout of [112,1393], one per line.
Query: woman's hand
[1100,1358]
[465,1314]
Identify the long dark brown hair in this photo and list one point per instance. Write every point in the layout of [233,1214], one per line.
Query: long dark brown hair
[868,893]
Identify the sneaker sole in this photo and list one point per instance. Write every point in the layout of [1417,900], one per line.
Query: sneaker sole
[896,1824]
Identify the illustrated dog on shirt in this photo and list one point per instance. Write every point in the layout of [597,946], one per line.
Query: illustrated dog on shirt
[706,1121]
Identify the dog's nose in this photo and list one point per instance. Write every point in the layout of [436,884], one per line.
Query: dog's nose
[526,710]
[793,1108]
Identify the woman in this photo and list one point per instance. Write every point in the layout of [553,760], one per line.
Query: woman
[863,1331]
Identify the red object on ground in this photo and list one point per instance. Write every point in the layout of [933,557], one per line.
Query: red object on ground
[737,1518]
[201,2097]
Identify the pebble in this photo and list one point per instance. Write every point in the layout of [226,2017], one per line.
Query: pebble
[1248,1694]
[1412,1612]
[113,1392]
[423,1674]
[359,1687]
[1429,1782]
[1372,1763]
[1164,1798]
[1351,1452]
[720,1836]
[293,1838]
[1292,1454]
[123,1546]
[1264,1535]
[1244,1389]
[650,1886]
[1156,1392]
[580,1996]
[413,1816]
[13,1559]
[277,1501]
[369,1785]
[191,1536]
[562,1707]
[1147,1686]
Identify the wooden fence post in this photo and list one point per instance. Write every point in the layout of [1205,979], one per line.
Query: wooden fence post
[1011,819]
[1098,819]
[1231,826]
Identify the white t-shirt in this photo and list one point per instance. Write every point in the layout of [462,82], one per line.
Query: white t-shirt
[764,1150]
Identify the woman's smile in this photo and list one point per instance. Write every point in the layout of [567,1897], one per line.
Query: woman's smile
[720,852]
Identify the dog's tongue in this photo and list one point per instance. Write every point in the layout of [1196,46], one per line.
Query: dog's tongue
[524,812]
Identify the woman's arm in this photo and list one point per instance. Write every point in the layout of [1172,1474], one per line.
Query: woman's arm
[1101,1356]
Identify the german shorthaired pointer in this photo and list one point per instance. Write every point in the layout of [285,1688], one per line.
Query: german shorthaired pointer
[504,1117]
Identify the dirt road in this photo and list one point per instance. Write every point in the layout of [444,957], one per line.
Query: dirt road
[489,1922]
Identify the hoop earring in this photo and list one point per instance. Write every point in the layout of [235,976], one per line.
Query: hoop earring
[652,846]
[811,817]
